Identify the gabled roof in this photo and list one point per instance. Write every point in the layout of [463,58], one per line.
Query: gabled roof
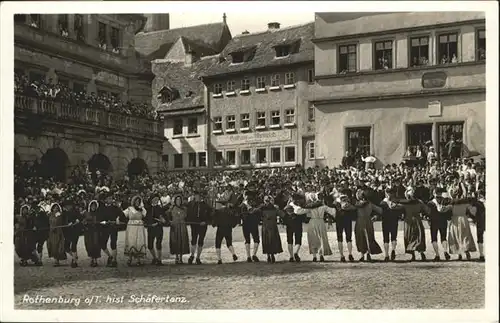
[156,44]
[265,52]
[183,78]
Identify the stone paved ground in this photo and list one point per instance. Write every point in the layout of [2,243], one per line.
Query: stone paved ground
[241,285]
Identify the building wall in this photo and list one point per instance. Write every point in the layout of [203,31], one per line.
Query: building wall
[283,99]
[388,120]
[185,143]
[388,101]
[326,55]
[44,50]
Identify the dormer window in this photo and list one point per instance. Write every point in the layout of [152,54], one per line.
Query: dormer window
[238,57]
[168,94]
[282,51]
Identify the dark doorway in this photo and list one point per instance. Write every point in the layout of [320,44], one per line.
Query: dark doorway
[101,163]
[54,163]
[137,166]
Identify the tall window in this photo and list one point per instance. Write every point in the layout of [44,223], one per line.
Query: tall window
[79,27]
[289,78]
[261,156]
[245,157]
[245,84]
[347,59]
[310,76]
[276,155]
[217,88]
[450,137]
[275,80]
[245,120]
[448,48]
[231,122]
[261,119]
[218,123]
[417,135]
[178,127]
[289,154]
[178,161]
[230,86]
[192,125]
[102,36]
[310,113]
[218,158]
[419,51]
[358,142]
[202,159]
[192,160]
[481,45]
[230,157]
[383,55]
[290,116]
[115,40]
[63,25]
[164,159]
[311,150]
[261,82]
[275,118]
[36,21]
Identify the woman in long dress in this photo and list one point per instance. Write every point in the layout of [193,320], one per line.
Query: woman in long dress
[363,230]
[414,231]
[55,243]
[179,239]
[91,235]
[271,240]
[24,239]
[135,234]
[317,236]
[460,239]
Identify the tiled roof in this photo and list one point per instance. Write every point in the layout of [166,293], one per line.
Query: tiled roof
[391,21]
[156,44]
[183,78]
[265,52]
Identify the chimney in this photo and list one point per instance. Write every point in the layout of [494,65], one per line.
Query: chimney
[190,57]
[273,26]
[246,32]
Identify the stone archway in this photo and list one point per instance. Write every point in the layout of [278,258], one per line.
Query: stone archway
[55,163]
[100,162]
[137,166]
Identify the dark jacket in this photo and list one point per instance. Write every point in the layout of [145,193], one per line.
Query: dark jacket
[198,212]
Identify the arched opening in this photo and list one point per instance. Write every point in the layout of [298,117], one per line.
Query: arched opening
[54,163]
[101,163]
[137,166]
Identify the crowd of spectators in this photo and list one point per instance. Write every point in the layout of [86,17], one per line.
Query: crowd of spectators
[62,93]
[462,178]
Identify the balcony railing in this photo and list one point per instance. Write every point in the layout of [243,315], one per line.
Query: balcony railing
[86,115]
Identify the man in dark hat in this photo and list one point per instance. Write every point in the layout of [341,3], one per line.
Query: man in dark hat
[225,221]
[198,214]
[154,221]
[107,213]
[250,216]
[72,233]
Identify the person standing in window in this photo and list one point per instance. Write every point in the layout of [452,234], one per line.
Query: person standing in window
[347,160]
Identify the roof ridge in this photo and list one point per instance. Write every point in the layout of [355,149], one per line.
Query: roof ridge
[276,31]
[178,28]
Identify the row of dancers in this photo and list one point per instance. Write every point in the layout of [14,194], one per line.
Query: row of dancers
[144,223]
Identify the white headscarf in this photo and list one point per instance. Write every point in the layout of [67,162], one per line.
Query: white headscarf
[93,202]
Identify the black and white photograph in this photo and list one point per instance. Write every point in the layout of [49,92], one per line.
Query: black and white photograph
[250,156]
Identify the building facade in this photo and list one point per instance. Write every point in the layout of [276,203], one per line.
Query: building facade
[257,99]
[90,54]
[390,82]
[179,57]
